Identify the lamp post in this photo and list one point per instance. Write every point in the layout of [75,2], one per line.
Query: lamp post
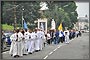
[22,16]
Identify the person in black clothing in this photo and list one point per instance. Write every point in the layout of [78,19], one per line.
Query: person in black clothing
[3,41]
[79,33]
[48,38]
[62,38]
[52,36]
[73,35]
[70,35]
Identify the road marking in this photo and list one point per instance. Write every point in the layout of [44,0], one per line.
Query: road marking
[60,46]
[50,53]
[56,49]
[45,57]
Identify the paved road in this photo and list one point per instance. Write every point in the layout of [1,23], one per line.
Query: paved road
[77,49]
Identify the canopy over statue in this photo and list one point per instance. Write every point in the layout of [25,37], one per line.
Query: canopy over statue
[42,24]
[53,24]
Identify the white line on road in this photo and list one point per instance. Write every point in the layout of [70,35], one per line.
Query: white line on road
[55,50]
[50,53]
[45,57]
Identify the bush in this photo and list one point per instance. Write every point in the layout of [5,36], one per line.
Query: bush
[7,27]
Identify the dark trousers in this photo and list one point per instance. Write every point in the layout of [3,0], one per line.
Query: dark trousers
[64,39]
[70,37]
[52,40]
[77,35]
[73,36]
[49,41]
[61,39]
[56,40]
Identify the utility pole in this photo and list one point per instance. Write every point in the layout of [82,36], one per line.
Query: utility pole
[15,17]
[22,16]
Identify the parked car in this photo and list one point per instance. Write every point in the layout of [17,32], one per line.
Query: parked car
[87,31]
[8,41]
[83,31]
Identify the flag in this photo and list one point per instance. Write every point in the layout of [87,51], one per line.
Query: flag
[60,27]
[25,25]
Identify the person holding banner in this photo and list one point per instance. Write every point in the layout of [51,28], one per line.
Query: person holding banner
[61,34]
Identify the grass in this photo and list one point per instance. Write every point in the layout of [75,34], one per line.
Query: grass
[7,27]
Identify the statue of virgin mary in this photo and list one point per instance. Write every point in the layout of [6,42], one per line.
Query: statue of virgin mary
[52,24]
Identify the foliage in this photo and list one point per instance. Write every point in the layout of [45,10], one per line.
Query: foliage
[30,11]
[60,11]
[7,27]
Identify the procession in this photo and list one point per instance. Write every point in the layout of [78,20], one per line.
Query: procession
[25,41]
[44,30]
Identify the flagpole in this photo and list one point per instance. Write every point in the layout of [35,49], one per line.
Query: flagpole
[22,16]
[22,21]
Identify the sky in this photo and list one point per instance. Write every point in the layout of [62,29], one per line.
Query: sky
[82,9]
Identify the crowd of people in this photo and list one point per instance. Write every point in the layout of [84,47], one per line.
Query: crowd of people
[26,41]
[56,37]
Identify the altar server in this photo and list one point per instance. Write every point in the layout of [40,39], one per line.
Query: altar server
[37,36]
[66,33]
[31,42]
[12,37]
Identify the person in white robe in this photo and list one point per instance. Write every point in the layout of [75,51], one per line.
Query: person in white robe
[77,32]
[42,37]
[18,46]
[23,43]
[37,37]
[26,45]
[15,45]
[66,33]
[12,37]
[31,42]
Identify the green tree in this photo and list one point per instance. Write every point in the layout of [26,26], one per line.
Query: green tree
[70,8]
[62,11]
[30,11]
